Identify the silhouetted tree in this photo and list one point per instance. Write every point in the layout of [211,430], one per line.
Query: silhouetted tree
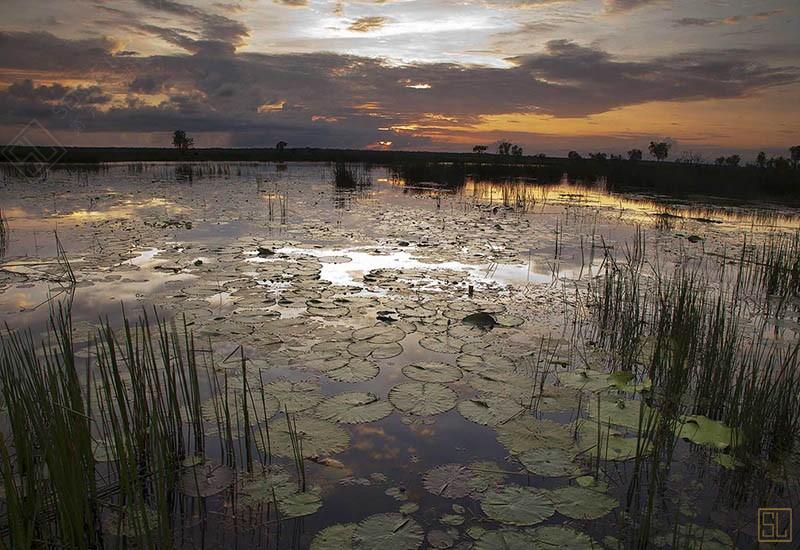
[660,150]
[635,154]
[574,155]
[504,148]
[733,160]
[181,141]
[761,160]
[795,154]
[480,149]
[516,150]
[280,146]
[601,157]
[719,161]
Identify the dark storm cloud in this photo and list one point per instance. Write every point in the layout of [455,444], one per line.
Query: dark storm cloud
[215,28]
[312,98]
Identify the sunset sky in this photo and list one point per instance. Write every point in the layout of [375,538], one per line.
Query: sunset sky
[554,75]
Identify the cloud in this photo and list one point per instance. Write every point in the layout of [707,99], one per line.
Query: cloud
[328,99]
[622,6]
[293,3]
[730,20]
[367,24]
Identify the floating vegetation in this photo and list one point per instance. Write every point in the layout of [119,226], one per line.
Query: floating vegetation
[611,374]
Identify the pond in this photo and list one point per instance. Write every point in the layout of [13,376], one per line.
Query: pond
[261,358]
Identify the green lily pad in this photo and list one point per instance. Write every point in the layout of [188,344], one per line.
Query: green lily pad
[300,504]
[353,408]
[375,351]
[317,437]
[355,370]
[550,462]
[335,537]
[696,537]
[585,379]
[621,412]
[432,372]
[525,433]
[702,431]
[295,396]
[422,398]
[581,503]
[458,480]
[264,485]
[556,537]
[385,531]
[441,344]
[517,505]
[379,334]
[409,508]
[489,410]
[441,539]
[206,479]
[506,539]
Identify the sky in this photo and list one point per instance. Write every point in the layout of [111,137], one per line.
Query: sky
[712,76]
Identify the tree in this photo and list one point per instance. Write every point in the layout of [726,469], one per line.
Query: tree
[720,161]
[635,155]
[660,150]
[795,154]
[574,155]
[516,150]
[601,157]
[733,160]
[280,146]
[181,141]
[480,149]
[504,148]
[761,160]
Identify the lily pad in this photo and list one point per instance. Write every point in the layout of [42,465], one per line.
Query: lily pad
[582,503]
[317,437]
[300,504]
[525,433]
[295,396]
[506,539]
[355,370]
[441,344]
[458,480]
[385,531]
[432,372]
[353,408]
[422,398]
[702,431]
[550,462]
[556,537]
[696,537]
[489,410]
[264,486]
[206,479]
[335,537]
[621,412]
[376,351]
[517,505]
[379,334]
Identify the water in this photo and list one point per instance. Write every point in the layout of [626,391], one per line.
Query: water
[237,254]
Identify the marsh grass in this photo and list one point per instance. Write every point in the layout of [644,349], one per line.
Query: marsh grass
[694,335]
[350,176]
[5,234]
[95,451]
